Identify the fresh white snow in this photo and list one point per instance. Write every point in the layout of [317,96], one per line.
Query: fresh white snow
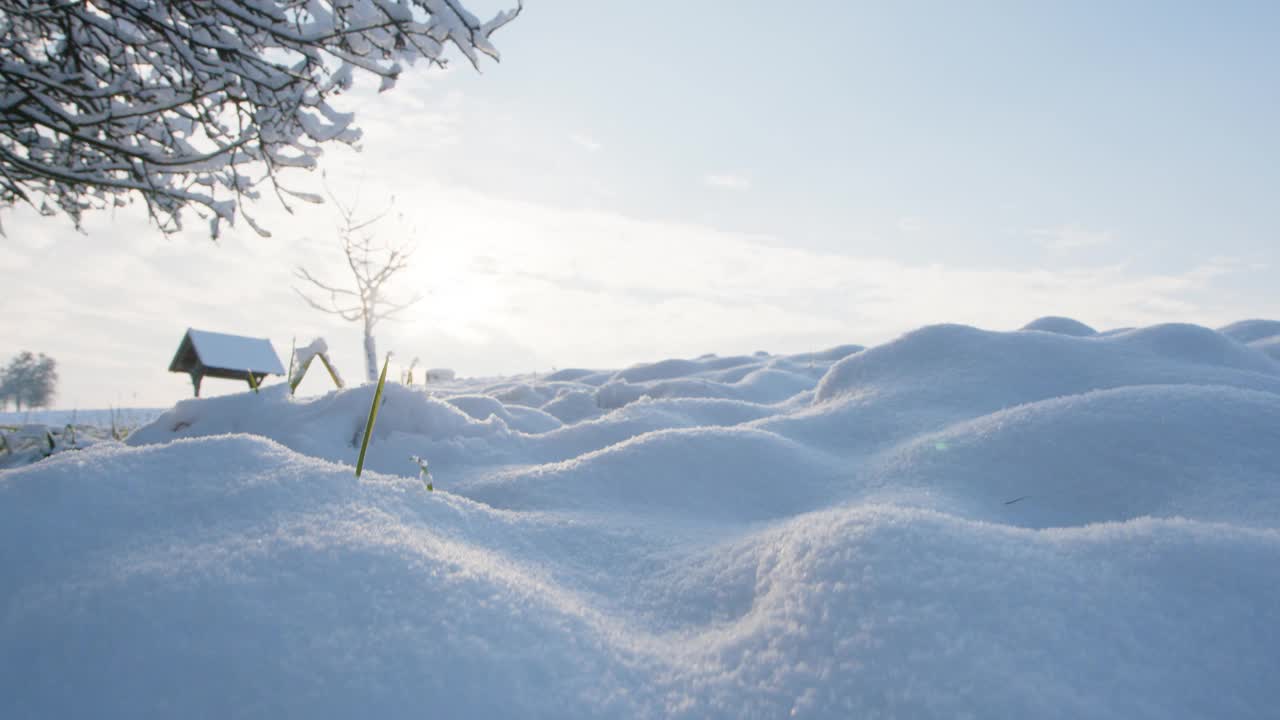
[235,352]
[1261,334]
[1048,523]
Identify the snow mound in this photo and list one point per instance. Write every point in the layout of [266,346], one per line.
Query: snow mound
[1248,331]
[829,355]
[1268,346]
[757,379]
[650,474]
[516,417]
[570,374]
[331,427]
[667,369]
[983,370]
[1261,335]
[890,612]
[253,582]
[1195,344]
[957,523]
[573,406]
[249,581]
[1061,326]
[1168,450]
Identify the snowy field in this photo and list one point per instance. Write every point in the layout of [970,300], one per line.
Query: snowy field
[122,417]
[1050,523]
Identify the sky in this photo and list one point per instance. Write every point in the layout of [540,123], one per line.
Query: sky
[637,181]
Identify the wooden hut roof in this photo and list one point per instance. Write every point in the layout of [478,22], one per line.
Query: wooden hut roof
[226,352]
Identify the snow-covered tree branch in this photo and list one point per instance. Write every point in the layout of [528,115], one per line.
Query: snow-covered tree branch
[196,103]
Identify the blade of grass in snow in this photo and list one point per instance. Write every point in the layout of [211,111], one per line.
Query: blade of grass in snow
[296,380]
[293,357]
[373,416]
[337,379]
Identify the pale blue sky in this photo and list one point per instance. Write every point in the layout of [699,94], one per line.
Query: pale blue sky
[1154,121]
[644,180]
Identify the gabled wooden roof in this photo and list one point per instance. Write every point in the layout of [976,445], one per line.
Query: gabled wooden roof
[201,349]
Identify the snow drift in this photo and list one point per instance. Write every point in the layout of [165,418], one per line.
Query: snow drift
[1046,523]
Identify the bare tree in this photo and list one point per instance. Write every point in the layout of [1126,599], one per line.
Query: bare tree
[373,263]
[195,103]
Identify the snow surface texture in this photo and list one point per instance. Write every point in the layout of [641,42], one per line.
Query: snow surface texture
[1261,334]
[1045,523]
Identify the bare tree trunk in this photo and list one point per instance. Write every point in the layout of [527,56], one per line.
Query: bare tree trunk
[370,354]
[372,266]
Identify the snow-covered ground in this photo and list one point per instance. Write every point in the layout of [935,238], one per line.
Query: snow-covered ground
[127,418]
[1050,523]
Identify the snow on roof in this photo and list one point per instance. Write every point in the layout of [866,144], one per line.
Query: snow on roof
[235,352]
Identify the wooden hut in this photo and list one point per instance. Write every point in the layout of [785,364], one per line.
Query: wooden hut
[233,357]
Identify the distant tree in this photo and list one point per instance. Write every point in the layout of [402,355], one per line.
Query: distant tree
[373,264]
[8,389]
[28,381]
[195,103]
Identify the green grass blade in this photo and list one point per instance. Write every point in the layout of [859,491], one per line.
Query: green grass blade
[293,355]
[373,416]
[332,373]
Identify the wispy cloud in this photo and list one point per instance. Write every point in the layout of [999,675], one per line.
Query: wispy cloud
[727,181]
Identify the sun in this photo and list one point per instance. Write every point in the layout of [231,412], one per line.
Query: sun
[461,293]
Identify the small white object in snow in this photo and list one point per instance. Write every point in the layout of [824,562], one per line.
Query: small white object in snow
[435,375]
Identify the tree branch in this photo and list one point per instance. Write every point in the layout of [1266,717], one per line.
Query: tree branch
[102,99]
